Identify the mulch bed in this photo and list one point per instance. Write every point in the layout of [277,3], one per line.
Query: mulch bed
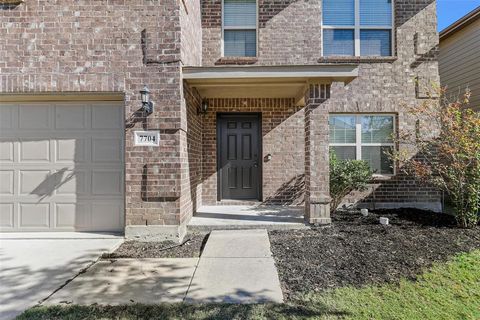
[356,250]
[190,248]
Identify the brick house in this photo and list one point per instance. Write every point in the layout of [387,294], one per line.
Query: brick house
[248,97]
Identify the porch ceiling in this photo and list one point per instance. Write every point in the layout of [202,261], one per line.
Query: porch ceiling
[264,81]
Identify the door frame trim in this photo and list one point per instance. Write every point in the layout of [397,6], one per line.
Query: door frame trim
[257,115]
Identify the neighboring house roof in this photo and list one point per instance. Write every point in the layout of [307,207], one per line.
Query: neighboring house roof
[460,24]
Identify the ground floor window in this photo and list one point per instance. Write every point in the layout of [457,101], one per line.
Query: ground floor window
[367,137]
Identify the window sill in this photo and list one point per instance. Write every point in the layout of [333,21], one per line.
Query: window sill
[236,61]
[345,59]
[382,177]
[11,2]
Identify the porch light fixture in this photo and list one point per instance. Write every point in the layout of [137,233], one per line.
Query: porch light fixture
[203,107]
[147,105]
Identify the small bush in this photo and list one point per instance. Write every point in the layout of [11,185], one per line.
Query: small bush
[450,159]
[345,177]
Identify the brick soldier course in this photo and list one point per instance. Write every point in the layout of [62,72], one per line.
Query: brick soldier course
[99,46]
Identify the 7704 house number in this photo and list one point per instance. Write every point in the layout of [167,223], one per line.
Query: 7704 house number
[147,138]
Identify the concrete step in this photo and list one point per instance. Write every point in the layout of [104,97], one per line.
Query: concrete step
[269,227]
[208,218]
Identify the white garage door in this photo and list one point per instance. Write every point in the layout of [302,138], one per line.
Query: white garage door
[61,167]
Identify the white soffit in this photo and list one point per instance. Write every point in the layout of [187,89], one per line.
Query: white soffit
[263,81]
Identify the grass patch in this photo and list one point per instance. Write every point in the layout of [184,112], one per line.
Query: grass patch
[447,291]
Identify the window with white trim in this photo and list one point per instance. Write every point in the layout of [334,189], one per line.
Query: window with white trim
[239,28]
[357,27]
[366,137]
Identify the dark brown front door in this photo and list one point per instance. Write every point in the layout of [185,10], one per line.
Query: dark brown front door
[238,157]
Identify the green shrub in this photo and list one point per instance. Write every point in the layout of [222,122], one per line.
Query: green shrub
[345,177]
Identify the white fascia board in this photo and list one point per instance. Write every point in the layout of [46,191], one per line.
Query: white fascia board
[252,72]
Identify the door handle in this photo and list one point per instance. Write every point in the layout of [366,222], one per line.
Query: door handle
[255,164]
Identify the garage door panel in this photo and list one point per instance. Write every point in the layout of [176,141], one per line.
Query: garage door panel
[34,150]
[35,182]
[65,215]
[104,215]
[6,215]
[70,150]
[72,215]
[6,151]
[7,182]
[106,182]
[71,183]
[61,164]
[106,150]
[106,117]
[8,117]
[34,215]
[34,117]
[71,117]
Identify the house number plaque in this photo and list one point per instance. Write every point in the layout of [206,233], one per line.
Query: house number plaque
[147,138]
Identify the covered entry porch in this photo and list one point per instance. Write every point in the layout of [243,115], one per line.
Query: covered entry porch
[258,136]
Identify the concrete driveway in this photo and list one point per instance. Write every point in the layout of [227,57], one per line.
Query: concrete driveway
[34,265]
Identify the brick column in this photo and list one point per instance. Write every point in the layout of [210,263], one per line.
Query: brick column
[317,189]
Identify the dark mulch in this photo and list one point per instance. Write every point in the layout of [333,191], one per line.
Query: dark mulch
[356,250]
[191,247]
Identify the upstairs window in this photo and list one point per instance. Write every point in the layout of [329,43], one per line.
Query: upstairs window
[239,28]
[357,27]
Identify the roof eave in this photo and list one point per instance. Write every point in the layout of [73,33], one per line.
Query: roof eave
[460,24]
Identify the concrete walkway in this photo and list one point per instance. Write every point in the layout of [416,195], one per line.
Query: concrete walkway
[236,266]
[34,265]
[124,281]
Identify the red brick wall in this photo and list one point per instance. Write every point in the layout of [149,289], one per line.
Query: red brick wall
[191,26]
[286,32]
[211,30]
[317,187]
[191,198]
[400,188]
[283,137]
[289,31]
[99,46]
[283,134]
[120,45]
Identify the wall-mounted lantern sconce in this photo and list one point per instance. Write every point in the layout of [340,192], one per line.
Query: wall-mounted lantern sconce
[147,105]
[203,107]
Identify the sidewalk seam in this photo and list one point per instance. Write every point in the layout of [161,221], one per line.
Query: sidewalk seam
[191,279]
[81,271]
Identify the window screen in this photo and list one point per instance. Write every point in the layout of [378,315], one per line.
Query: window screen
[339,12]
[376,12]
[240,13]
[375,43]
[338,42]
[240,43]
[240,23]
